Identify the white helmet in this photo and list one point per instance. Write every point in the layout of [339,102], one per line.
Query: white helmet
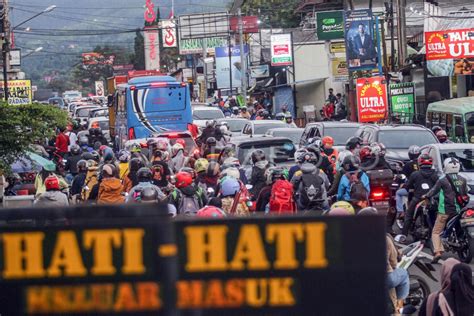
[451,165]
[231,172]
[224,129]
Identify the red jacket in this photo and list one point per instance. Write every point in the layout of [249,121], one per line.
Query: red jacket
[62,141]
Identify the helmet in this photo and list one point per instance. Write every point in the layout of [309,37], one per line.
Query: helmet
[275,173]
[176,148]
[213,169]
[435,129]
[93,155]
[339,211]
[425,160]
[230,187]
[351,164]
[102,148]
[224,129]
[136,148]
[327,140]
[299,155]
[83,140]
[288,116]
[162,144]
[451,165]
[345,205]
[414,152]
[235,110]
[108,154]
[266,114]
[365,153]
[227,151]
[183,179]
[442,136]
[280,116]
[151,142]
[51,183]
[82,165]
[258,155]
[75,150]
[135,164]
[124,156]
[231,172]
[189,170]
[368,211]
[231,162]
[353,142]
[144,174]
[210,123]
[108,170]
[211,141]
[316,151]
[148,195]
[377,150]
[201,165]
[181,141]
[211,211]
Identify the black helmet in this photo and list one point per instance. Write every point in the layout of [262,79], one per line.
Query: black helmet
[258,155]
[148,195]
[351,163]
[414,152]
[135,164]
[144,174]
[93,155]
[75,150]
[83,140]
[353,142]
[213,169]
[211,141]
[82,165]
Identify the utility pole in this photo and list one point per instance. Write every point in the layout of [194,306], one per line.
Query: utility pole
[402,40]
[5,48]
[243,63]
[392,37]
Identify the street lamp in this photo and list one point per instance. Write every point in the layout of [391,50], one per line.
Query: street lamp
[38,49]
[48,9]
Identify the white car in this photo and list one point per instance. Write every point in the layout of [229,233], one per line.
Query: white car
[202,114]
[102,123]
[81,113]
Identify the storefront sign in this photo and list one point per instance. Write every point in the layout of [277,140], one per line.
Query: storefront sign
[337,48]
[372,99]
[339,69]
[450,44]
[168,33]
[282,51]
[249,24]
[19,91]
[195,46]
[402,98]
[329,25]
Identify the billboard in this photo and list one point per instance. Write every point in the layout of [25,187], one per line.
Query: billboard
[168,33]
[204,25]
[249,24]
[19,91]
[15,57]
[281,50]
[372,102]
[450,44]
[402,100]
[195,46]
[361,52]
[152,50]
[223,69]
[259,71]
[339,70]
[329,25]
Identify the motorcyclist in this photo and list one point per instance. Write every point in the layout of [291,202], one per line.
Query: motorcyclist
[263,200]
[212,152]
[222,137]
[233,162]
[187,198]
[408,169]
[178,159]
[442,136]
[299,159]
[73,159]
[210,178]
[280,116]
[161,171]
[124,158]
[229,190]
[131,179]
[96,138]
[84,144]
[354,186]
[257,177]
[448,186]
[353,146]
[110,187]
[79,179]
[145,180]
[289,120]
[322,162]
[208,131]
[200,167]
[235,111]
[53,196]
[244,113]
[327,150]
[420,182]
[376,158]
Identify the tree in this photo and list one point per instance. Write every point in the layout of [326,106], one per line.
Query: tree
[274,13]
[22,125]
[138,58]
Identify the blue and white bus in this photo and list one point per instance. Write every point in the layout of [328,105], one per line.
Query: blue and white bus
[150,105]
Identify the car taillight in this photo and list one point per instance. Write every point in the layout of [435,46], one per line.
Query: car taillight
[131,133]
[158,84]
[143,145]
[377,194]
[173,135]
[469,213]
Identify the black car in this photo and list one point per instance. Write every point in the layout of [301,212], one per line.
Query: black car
[339,131]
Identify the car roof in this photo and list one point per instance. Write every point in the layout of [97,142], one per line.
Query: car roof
[408,127]
[205,108]
[98,118]
[285,129]
[267,122]
[458,105]
[225,119]
[335,124]
[452,146]
[257,139]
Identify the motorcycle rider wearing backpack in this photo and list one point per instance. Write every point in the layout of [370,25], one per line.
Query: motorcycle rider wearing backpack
[408,169]
[92,159]
[257,178]
[354,186]
[187,198]
[145,180]
[230,197]
[278,196]
[449,186]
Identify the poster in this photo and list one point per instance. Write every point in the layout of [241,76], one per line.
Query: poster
[450,44]
[195,46]
[372,99]
[402,100]
[19,91]
[223,71]
[339,70]
[99,88]
[168,29]
[329,25]
[360,40]
[152,50]
[281,49]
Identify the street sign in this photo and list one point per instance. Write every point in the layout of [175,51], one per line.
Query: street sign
[450,44]
[168,33]
[99,88]
[402,100]
[329,25]
[281,50]
[204,25]
[372,99]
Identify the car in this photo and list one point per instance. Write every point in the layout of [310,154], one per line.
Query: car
[81,113]
[102,123]
[259,128]
[202,114]
[235,124]
[292,133]
[397,139]
[59,102]
[462,151]
[100,112]
[339,131]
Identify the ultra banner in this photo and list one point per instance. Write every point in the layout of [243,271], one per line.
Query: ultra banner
[301,265]
[372,99]
[450,44]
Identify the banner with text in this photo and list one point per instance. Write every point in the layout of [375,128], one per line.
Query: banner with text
[281,49]
[402,100]
[19,91]
[450,44]
[372,99]
[329,25]
[195,46]
[223,68]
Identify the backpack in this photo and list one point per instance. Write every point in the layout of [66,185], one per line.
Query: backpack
[188,205]
[461,198]
[358,192]
[311,190]
[281,199]
[90,182]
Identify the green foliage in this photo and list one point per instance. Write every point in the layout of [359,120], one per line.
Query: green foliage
[274,13]
[138,58]
[22,125]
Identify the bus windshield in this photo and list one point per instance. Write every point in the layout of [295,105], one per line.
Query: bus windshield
[159,99]
[470,126]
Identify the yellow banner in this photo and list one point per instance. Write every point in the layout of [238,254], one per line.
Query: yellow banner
[19,91]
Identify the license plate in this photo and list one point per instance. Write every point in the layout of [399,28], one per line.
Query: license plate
[383,203]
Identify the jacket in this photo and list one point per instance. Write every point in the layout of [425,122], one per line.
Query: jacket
[78,183]
[421,182]
[71,163]
[90,182]
[62,143]
[191,190]
[344,189]
[296,181]
[258,179]
[123,170]
[110,191]
[52,198]
[241,210]
[447,197]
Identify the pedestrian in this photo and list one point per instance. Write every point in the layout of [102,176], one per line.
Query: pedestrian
[331,97]
[53,197]
[110,188]
[186,198]
[62,142]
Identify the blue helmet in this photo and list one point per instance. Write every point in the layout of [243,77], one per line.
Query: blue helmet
[108,154]
[230,187]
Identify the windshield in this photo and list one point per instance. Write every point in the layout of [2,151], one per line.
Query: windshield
[103,125]
[207,114]
[83,113]
[340,134]
[235,125]
[159,99]
[276,152]
[403,139]
[293,134]
[470,127]
[261,129]
[465,157]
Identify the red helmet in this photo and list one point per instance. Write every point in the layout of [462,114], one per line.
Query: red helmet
[327,140]
[211,211]
[182,142]
[365,153]
[183,179]
[425,160]
[51,183]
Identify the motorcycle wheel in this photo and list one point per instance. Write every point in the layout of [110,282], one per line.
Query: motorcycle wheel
[466,252]
[417,296]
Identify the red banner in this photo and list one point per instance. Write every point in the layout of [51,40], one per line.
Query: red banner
[372,99]
[249,24]
[450,44]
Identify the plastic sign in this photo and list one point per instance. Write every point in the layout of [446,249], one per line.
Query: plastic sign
[282,51]
[450,44]
[372,99]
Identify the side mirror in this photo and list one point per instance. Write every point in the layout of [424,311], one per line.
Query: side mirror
[459,131]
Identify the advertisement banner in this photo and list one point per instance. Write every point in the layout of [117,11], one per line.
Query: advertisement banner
[99,88]
[19,91]
[15,57]
[249,24]
[260,71]
[340,73]
[337,48]
[168,33]
[281,49]
[223,69]
[450,44]
[360,40]
[372,99]
[152,50]
[402,100]
[329,25]
[195,46]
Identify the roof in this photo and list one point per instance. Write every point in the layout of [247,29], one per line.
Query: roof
[266,122]
[283,129]
[230,119]
[407,127]
[336,124]
[459,105]
[148,79]
[257,139]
